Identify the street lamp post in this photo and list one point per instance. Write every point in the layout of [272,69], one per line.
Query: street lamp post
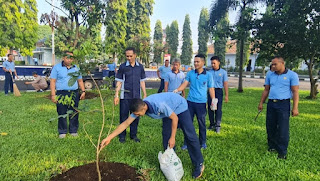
[52,28]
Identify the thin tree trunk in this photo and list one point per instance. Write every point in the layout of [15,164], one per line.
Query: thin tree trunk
[313,81]
[240,89]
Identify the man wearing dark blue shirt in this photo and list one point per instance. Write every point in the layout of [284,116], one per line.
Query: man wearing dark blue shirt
[130,78]
[280,86]
[170,107]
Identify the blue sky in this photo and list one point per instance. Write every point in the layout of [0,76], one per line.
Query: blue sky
[166,11]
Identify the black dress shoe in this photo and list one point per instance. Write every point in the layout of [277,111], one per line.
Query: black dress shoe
[283,157]
[122,140]
[136,139]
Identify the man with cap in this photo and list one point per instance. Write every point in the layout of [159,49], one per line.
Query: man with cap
[39,83]
[220,79]
[200,81]
[174,109]
[59,88]
[162,72]
[280,86]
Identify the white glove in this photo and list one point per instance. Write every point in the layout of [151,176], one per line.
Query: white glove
[175,91]
[214,104]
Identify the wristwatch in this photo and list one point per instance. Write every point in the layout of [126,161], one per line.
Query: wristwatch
[83,91]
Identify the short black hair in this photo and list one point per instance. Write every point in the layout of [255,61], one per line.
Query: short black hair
[34,73]
[202,56]
[136,105]
[131,49]
[9,55]
[278,57]
[215,58]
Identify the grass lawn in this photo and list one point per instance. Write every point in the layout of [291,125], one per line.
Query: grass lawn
[32,150]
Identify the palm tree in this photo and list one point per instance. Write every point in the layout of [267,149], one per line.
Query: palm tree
[219,10]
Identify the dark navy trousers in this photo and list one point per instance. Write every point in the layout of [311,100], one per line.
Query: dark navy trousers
[199,109]
[215,116]
[112,73]
[277,123]
[161,86]
[8,83]
[190,136]
[124,114]
[63,109]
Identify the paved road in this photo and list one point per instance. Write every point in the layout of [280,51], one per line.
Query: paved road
[233,83]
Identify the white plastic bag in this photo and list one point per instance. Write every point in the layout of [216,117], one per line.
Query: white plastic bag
[214,104]
[171,165]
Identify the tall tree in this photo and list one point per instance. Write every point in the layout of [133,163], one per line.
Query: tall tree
[18,25]
[116,22]
[158,31]
[44,32]
[138,28]
[187,51]
[157,42]
[246,53]
[131,27]
[292,30]
[243,26]
[81,23]
[220,35]
[166,45]
[173,39]
[203,31]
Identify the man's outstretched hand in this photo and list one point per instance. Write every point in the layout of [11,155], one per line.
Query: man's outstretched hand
[104,143]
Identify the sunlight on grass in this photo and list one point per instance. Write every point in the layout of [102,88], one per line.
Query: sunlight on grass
[32,150]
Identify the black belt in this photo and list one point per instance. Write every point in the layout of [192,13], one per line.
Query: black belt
[218,88]
[67,90]
[279,100]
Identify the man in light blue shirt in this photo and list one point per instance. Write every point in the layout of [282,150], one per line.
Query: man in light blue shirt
[9,68]
[174,78]
[220,79]
[200,81]
[112,70]
[171,108]
[161,72]
[280,85]
[59,88]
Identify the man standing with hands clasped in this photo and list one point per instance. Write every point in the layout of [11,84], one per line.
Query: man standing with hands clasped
[280,85]
[200,81]
[220,81]
[130,78]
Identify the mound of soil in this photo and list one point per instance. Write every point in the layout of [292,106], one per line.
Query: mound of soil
[109,172]
[89,95]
